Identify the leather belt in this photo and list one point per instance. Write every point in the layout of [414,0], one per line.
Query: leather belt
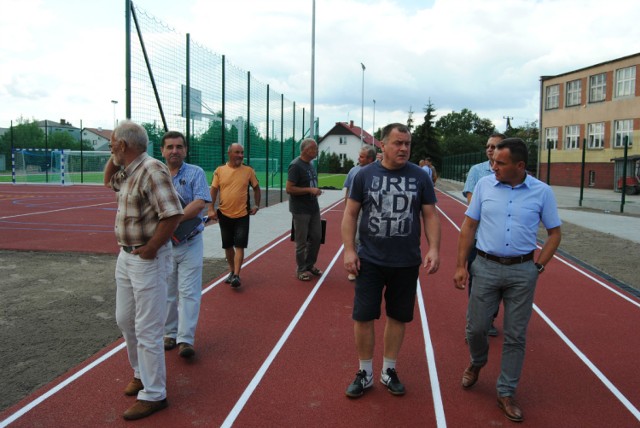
[506,260]
[129,249]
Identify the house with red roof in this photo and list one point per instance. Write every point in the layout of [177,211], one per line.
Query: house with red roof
[345,140]
[98,137]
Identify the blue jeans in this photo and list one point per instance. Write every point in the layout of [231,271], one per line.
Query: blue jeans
[515,285]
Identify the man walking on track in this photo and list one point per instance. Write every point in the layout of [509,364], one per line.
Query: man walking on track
[231,181]
[505,210]
[185,283]
[302,187]
[148,212]
[395,196]
[476,172]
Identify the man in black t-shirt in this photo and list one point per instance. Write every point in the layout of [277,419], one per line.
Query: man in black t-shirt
[302,187]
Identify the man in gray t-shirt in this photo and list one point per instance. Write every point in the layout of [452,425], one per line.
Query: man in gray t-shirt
[302,187]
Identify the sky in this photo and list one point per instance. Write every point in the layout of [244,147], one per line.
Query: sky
[65,58]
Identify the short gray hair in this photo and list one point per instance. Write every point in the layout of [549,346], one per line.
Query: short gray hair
[306,143]
[134,134]
[370,152]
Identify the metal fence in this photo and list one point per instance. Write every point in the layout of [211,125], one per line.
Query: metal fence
[168,71]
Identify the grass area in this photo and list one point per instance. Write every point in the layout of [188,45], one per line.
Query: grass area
[331,180]
[325,180]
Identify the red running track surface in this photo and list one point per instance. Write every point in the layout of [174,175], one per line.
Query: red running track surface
[280,352]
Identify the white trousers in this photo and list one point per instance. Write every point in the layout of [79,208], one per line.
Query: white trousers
[185,291]
[141,300]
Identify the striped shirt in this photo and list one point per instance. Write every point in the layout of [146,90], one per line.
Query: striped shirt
[145,196]
[191,184]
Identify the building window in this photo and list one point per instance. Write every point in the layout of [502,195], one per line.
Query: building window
[596,135]
[597,87]
[551,137]
[343,141]
[574,93]
[626,82]
[553,97]
[572,139]
[623,132]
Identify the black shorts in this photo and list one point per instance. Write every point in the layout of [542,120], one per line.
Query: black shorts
[399,286]
[234,231]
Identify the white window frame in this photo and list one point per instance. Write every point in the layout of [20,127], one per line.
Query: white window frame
[598,88]
[550,134]
[626,82]
[553,97]
[595,135]
[572,137]
[622,128]
[574,93]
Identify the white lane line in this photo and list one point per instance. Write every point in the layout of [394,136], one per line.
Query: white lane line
[615,391]
[30,406]
[441,421]
[55,211]
[22,411]
[596,371]
[242,401]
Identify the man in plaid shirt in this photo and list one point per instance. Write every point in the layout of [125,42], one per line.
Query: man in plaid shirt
[148,212]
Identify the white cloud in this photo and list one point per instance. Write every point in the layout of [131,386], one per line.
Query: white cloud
[67,58]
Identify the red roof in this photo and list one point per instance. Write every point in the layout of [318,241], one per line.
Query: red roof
[104,133]
[344,128]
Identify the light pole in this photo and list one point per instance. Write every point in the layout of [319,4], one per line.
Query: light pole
[362,112]
[373,133]
[114,102]
[313,68]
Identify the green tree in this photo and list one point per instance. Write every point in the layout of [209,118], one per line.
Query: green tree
[529,133]
[26,135]
[463,132]
[424,140]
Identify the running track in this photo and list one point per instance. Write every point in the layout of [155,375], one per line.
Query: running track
[280,353]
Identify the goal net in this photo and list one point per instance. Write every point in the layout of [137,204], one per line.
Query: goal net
[58,166]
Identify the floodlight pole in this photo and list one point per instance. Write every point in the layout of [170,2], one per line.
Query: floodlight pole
[313,67]
[373,132]
[362,112]
[114,102]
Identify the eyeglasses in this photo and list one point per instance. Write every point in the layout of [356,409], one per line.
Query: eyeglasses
[491,147]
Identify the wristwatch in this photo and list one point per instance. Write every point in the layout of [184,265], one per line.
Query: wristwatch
[539,267]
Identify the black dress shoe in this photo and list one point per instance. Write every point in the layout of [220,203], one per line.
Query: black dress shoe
[470,376]
[510,408]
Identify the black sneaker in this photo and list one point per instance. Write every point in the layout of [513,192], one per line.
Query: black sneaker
[229,278]
[390,379]
[361,382]
[235,281]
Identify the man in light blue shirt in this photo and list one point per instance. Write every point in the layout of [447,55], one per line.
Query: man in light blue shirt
[476,172]
[185,282]
[505,211]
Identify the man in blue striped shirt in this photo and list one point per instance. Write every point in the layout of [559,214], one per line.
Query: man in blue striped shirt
[185,282]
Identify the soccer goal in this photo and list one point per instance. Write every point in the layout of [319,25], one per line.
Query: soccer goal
[57,166]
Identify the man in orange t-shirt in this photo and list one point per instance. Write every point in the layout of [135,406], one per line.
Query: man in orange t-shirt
[232,181]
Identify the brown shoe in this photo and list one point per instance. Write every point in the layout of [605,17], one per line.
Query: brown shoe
[510,408]
[133,387]
[169,343]
[186,350]
[144,408]
[470,376]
